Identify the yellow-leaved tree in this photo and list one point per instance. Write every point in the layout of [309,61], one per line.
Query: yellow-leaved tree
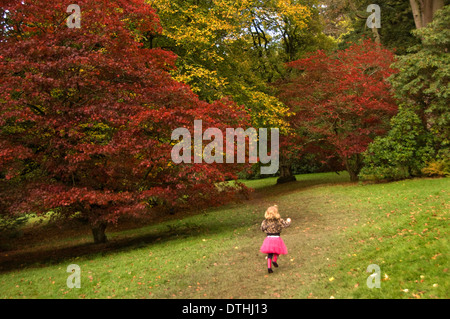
[233,48]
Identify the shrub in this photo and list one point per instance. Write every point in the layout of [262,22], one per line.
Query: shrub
[8,224]
[402,153]
[440,167]
[384,173]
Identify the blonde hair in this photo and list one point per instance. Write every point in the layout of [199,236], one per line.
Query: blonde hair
[272,213]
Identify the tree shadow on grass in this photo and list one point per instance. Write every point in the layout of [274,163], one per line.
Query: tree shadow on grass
[45,256]
[120,240]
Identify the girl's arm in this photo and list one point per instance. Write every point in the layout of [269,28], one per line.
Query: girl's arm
[285,223]
[263,225]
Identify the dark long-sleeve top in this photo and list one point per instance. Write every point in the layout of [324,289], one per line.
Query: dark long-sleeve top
[274,226]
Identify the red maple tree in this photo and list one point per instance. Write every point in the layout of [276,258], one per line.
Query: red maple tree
[86,115]
[341,101]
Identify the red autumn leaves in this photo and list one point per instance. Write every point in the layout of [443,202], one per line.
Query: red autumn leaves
[341,101]
[87,115]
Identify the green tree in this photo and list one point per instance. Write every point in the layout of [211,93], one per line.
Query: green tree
[423,77]
[397,22]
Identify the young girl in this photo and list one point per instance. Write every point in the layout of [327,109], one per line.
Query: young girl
[273,245]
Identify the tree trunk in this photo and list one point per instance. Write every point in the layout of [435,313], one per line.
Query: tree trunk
[353,166]
[376,35]
[98,231]
[424,10]
[353,175]
[286,175]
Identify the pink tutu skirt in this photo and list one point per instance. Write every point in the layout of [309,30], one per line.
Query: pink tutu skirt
[273,245]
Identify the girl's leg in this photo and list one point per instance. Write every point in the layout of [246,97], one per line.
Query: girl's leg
[269,263]
[275,258]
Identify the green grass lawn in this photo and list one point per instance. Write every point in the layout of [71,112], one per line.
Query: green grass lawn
[338,230]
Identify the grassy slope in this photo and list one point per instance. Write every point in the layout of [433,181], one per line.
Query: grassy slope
[338,230]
